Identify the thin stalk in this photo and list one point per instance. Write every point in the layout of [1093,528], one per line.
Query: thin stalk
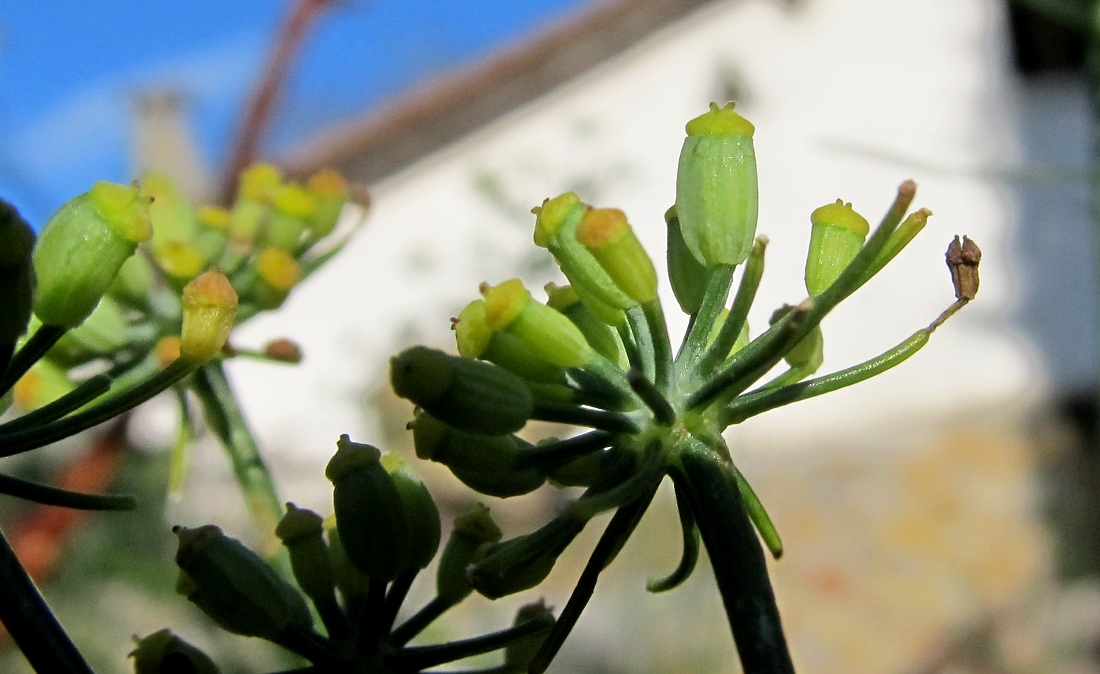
[618,530]
[738,562]
[765,399]
[662,347]
[31,623]
[33,438]
[612,422]
[70,402]
[416,623]
[40,342]
[702,321]
[553,455]
[54,496]
[416,658]
[227,420]
[739,313]
[663,413]
[630,346]
[690,556]
[395,597]
[639,327]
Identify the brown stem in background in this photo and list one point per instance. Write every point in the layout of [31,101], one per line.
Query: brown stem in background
[257,116]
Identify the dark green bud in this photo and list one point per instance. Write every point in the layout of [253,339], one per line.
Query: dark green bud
[82,248]
[350,580]
[302,532]
[687,275]
[164,653]
[235,587]
[370,514]
[522,563]
[485,463]
[423,516]
[519,654]
[16,274]
[472,530]
[470,395]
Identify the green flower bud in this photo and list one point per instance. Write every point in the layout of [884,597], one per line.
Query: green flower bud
[519,654]
[209,308]
[134,283]
[596,332]
[302,532]
[180,260]
[716,190]
[423,516]
[550,335]
[165,653]
[101,334]
[471,531]
[269,280]
[686,274]
[485,463]
[292,211]
[475,339]
[235,587]
[470,395]
[253,196]
[556,225]
[837,236]
[214,223]
[81,249]
[521,563]
[353,584]
[808,354]
[16,274]
[610,238]
[172,217]
[330,193]
[370,513]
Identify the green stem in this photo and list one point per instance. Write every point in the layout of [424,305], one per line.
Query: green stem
[553,455]
[751,404]
[759,516]
[702,322]
[742,302]
[738,562]
[663,413]
[618,530]
[30,622]
[417,658]
[643,338]
[662,347]
[227,420]
[53,496]
[70,402]
[416,623]
[613,422]
[33,438]
[32,351]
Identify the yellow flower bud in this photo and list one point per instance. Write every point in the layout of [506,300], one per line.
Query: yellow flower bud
[209,307]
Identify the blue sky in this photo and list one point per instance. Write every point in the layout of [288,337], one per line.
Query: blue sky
[69,69]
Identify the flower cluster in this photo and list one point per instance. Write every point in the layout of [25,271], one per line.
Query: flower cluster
[597,354]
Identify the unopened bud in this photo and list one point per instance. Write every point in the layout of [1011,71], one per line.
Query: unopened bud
[963,259]
[837,236]
[370,514]
[686,274]
[165,653]
[82,248]
[16,274]
[521,563]
[209,307]
[292,211]
[330,192]
[420,510]
[302,532]
[519,654]
[235,587]
[283,351]
[716,187]
[471,531]
[550,335]
[470,395]
[610,238]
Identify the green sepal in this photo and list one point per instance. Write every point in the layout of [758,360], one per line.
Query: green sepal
[235,587]
[163,652]
[370,514]
[471,395]
[472,530]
